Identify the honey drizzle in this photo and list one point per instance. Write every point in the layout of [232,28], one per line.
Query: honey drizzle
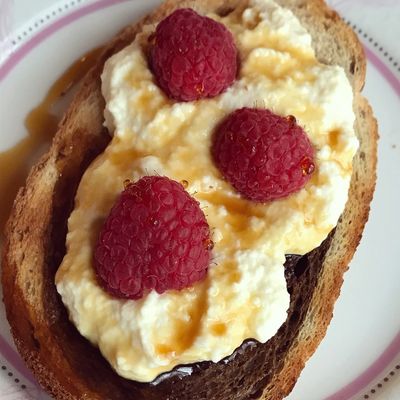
[186,331]
[41,125]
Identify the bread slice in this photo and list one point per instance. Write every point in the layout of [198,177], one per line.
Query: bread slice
[64,363]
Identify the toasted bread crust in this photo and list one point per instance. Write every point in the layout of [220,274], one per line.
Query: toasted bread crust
[65,364]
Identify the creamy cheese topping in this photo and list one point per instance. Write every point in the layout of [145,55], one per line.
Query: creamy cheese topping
[244,294]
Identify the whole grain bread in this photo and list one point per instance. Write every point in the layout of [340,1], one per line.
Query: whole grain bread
[66,364]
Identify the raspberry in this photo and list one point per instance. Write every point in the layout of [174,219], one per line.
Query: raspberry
[155,237]
[192,57]
[263,155]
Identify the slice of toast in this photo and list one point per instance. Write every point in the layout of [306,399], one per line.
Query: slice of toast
[66,364]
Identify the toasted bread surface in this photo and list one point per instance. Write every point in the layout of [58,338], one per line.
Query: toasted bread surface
[65,364]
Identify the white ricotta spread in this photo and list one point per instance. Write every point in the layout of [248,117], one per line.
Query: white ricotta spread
[244,295]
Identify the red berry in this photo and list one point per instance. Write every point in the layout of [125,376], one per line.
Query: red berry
[155,237]
[263,155]
[192,56]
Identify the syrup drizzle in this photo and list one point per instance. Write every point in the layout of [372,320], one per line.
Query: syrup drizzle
[41,125]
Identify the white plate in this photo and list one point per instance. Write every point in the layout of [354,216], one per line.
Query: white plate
[360,356]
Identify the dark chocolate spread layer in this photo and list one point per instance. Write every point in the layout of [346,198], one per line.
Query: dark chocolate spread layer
[248,369]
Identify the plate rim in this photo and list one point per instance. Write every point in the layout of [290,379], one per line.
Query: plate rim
[78,9]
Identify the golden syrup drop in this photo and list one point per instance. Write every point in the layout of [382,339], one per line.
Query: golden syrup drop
[185,183]
[127,183]
[291,119]
[307,166]
[199,88]
[209,244]
[218,329]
